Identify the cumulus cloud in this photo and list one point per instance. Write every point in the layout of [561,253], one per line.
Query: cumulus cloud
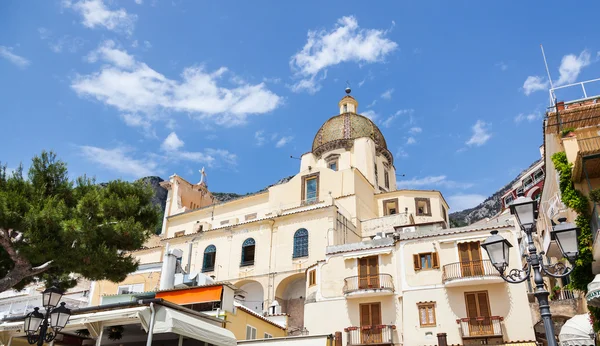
[132,86]
[570,68]
[120,160]
[534,83]
[283,141]
[346,42]
[480,135]
[19,61]
[431,182]
[172,142]
[95,13]
[172,146]
[531,117]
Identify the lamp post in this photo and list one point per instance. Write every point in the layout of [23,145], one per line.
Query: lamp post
[497,248]
[36,324]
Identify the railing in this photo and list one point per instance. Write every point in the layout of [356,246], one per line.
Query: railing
[370,335]
[565,294]
[371,282]
[480,326]
[460,270]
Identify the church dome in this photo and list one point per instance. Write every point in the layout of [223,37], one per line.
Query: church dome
[341,130]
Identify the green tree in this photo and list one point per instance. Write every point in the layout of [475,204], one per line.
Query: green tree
[52,227]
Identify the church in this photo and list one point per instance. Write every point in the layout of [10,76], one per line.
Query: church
[337,248]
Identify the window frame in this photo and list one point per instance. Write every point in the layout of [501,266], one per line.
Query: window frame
[434,261]
[305,180]
[268,336]
[507,203]
[131,288]
[300,249]
[312,277]
[427,202]
[246,244]
[205,268]
[428,306]
[252,330]
[385,206]
[386,178]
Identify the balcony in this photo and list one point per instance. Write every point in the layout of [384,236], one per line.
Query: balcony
[368,286]
[370,335]
[480,327]
[470,273]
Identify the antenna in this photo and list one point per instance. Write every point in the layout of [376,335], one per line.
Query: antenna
[548,72]
[297,158]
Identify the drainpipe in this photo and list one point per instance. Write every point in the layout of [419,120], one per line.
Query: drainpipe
[151,326]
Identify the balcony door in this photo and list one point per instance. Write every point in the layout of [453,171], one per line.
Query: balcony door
[368,272]
[370,319]
[470,259]
[478,313]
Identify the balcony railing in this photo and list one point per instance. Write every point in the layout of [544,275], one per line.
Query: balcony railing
[470,269]
[565,294]
[370,335]
[371,282]
[480,326]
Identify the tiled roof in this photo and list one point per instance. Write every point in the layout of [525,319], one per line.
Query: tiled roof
[243,308]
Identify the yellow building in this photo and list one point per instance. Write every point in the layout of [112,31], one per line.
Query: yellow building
[337,247]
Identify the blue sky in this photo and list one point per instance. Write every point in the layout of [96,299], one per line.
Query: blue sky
[128,88]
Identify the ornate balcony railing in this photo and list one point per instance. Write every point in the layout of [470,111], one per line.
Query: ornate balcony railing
[470,269]
[371,282]
[370,335]
[480,326]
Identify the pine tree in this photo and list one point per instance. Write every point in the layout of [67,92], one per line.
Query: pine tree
[52,227]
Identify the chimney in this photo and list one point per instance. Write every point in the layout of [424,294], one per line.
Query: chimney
[560,106]
[167,277]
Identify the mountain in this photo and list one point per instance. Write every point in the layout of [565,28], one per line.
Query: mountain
[488,208]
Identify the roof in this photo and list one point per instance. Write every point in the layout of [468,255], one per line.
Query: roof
[498,223]
[578,117]
[257,315]
[364,245]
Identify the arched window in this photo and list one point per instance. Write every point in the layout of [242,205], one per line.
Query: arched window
[301,243]
[210,254]
[248,252]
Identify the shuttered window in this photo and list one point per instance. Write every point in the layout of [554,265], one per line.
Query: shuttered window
[250,332]
[370,314]
[426,260]
[426,314]
[470,259]
[312,277]
[477,304]
[368,272]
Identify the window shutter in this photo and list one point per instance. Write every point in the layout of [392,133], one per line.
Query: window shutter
[365,315]
[471,301]
[373,265]
[375,314]
[484,308]
[416,262]
[435,260]
[248,333]
[363,265]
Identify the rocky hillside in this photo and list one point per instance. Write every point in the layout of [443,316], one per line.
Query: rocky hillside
[488,208]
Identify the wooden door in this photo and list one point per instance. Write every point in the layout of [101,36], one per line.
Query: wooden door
[368,272]
[370,318]
[470,259]
[478,312]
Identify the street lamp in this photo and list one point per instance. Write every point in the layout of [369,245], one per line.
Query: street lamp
[36,324]
[565,234]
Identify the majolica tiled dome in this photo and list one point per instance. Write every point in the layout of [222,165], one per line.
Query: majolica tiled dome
[341,131]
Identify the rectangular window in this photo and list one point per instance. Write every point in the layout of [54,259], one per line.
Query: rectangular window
[426,260]
[469,255]
[250,217]
[444,213]
[268,336]
[538,175]
[368,272]
[390,207]
[386,177]
[426,314]
[310,188]
[312,277]
[527,183]
[423,206]
[129,289]
[250,332]
[508,200]
[333,165]
[477,305]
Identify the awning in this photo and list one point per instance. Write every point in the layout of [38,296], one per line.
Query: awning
[368,253]
[168,320]
[192,295]
[577,331]
[593,295]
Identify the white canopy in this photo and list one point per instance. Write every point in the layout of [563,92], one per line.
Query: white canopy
[577,331]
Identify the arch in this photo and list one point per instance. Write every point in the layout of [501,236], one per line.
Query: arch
[252,295]
[532,191]
[248,251]
[300,243]
[291,295]
[210,256]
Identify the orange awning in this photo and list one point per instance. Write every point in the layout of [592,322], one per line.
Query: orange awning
[193,295]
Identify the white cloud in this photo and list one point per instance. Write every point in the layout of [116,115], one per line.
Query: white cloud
[135,120]
[389,120]
[411,140]
[465,201]
[283,141]
[372,104]
[480,134]
[108,52]
[502,66]
[346,42]
[119,160]
[139,2]
[415,130]
[533,84]
[147,44]
[260,137]
[569,69]
[531,117]
[57,45]
[431,181]
[401,153]
[96,13]
[387,94]
[133,87]
[370,114]
[172,142]
[19,61]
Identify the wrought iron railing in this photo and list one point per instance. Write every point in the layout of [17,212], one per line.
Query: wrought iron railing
[371,282]
[480,326]
[370,335]
[565,294]
[469,269]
